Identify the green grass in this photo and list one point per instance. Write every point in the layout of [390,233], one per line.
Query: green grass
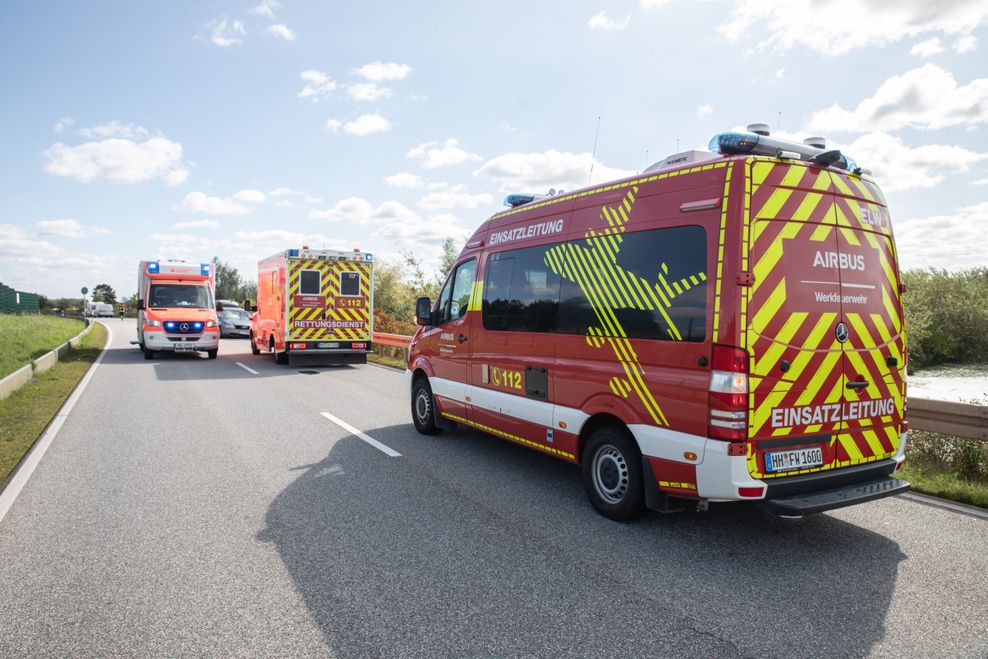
[388,356]
[25,413]
[930,477]
[23,338]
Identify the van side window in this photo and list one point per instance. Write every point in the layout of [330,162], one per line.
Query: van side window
[655,288]
[521,293]
[454,300]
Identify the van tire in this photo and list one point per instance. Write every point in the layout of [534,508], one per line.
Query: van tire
[211,354]
[148,354]
[254,350]
[424,408]
[281,357]
[612,474]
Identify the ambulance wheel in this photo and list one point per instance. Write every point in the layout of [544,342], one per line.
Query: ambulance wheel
[211,354]
[424,408]
[612,474]
[280,357]
[254,350]
[148,354]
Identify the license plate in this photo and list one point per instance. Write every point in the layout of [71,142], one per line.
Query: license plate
[803,458]
[184,347]
[327,345]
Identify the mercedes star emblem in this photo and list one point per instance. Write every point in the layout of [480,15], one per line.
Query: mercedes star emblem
[185,328]
[841,332]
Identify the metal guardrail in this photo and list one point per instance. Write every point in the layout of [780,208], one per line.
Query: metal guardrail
[958,419]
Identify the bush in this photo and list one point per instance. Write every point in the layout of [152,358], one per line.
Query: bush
[946,316]
[966,457]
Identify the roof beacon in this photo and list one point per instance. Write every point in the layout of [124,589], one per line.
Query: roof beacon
[757,142]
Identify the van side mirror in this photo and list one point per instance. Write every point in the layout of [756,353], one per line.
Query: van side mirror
[140,304]
[423,311]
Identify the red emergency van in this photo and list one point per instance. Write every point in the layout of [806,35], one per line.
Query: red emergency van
[726,326]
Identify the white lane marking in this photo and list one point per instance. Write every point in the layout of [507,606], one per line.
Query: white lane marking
[367,438]
[247,368]
[33,458]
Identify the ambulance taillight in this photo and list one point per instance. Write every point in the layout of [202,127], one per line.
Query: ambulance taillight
[728,395]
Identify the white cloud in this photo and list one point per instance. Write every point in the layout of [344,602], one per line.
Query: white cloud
[602,21]
[62,124]
[927,98]
[367,124]
[317,85]
[980,181]
[423,234]
[537,172]
[226,33]
[284,203]
[198,202]
[357,210]
[115,129]
[118,160]
[896,166]
[383,71]
[936,241]
[281,31]
[249,196]
[30,264]
[333,125]
[404,180]
[196,224]
[285,192]
[441,154]
[835,27]
[12,231]
[69,228]
[779,74]
[927,48]
[965,44]
[367,91]
[266,9]
[507,127]
[704,110]
[454,198]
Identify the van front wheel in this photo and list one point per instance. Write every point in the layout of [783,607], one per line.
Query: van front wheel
[612,474]
[424,408]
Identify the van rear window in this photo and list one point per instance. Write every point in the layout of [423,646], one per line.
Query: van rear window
[652,286]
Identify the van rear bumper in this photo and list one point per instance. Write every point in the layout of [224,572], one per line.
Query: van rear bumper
[845,495]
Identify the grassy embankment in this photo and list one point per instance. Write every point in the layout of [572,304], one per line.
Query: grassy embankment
[948,467]
[23,338]
[25,413]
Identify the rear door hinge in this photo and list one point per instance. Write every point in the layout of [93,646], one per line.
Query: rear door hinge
[746,278]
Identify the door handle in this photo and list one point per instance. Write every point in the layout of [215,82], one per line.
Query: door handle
[860,384]
[461,338]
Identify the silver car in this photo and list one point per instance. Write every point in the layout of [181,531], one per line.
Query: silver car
[234,322]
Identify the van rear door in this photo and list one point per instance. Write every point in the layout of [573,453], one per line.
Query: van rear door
[874,364]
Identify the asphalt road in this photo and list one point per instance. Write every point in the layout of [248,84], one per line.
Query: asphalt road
[192,507]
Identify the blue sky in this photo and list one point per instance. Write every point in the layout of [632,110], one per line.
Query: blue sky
[137,130]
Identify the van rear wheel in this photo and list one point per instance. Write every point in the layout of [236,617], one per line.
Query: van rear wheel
[424,408]
[254,350]
[612,474]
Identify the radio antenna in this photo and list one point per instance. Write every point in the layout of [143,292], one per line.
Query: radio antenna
[594,154]
[779,125]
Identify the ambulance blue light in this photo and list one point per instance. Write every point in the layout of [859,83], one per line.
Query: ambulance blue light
[514,200]
[197,326]
[204,269]
[153,267]
[731,143]
[368,257]
[169,325]
[293,252]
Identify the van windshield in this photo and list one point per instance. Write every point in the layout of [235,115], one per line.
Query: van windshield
[180,295]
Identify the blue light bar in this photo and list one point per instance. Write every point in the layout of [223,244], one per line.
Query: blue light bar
[204,269]
[368,257]
[169,325]
[197,326]
[731,143]
[515,200]
[153,267]
[293,252]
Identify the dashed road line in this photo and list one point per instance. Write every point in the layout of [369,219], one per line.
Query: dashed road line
[33,458]
[367,438]
[246,368]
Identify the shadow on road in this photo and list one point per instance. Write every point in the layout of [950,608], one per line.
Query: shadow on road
[473,546]
[224,367]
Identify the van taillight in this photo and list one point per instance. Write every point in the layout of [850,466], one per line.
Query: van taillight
[729,394]
[297,346]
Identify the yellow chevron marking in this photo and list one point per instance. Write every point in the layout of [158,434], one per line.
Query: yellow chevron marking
[720,253]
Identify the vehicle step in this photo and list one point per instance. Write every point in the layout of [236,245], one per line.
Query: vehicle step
[838,497]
